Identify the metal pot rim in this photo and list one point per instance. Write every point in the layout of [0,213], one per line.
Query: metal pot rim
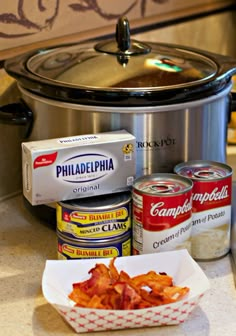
[126,109]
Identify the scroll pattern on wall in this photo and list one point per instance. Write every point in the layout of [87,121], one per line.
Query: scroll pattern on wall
[25,22]
[42,15]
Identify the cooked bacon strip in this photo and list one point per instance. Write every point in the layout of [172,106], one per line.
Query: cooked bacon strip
[107,288]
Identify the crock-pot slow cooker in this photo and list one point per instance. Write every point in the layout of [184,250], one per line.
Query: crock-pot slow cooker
[174,99]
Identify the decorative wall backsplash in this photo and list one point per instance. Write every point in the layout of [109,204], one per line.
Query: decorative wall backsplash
[24,22]
[43,15]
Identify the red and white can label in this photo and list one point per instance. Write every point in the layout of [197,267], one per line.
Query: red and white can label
[211,216]
[161,221]
[211,219]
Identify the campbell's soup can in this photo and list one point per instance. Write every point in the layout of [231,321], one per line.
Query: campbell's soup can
[162,207]
[211,217]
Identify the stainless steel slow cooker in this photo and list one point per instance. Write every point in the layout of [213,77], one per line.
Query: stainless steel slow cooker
[174,99]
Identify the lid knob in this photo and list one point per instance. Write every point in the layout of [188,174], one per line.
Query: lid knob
[123,46]
[123,34]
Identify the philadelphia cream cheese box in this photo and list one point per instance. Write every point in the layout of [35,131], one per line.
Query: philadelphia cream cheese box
[77,167]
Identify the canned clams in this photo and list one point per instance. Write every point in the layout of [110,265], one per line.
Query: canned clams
[93,226]
[92,249]
[162,206]
[211,217]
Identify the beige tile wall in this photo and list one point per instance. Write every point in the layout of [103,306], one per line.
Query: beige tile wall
[215,33]
[26,22]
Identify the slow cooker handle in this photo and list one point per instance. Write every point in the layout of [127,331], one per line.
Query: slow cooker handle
[226,65]
[17,114]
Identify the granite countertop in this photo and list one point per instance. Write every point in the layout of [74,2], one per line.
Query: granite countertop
[26,243]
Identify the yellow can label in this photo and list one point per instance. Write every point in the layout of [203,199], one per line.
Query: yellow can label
[72,251]
[84,218]
[100,224]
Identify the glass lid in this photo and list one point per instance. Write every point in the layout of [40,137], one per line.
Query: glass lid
[122,63]
[84,66]
[122,72]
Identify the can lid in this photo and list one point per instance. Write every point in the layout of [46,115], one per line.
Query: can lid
[203,170]
[163,184]
[98,203]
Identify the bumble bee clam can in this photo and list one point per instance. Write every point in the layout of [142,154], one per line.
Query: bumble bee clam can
[211,217]
[98,226]
[162,206]
[94,248]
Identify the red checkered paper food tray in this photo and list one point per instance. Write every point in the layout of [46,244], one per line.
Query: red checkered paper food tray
[59,275]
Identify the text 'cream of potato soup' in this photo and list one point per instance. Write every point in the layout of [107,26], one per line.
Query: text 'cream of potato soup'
[211,217]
